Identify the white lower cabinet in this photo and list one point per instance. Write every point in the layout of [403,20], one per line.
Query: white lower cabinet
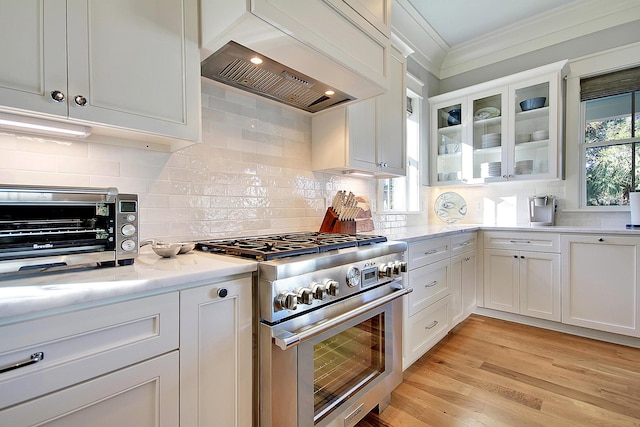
[442,273]
[175,359]
[111,365]
[215,355]
[142,395]
[600,283]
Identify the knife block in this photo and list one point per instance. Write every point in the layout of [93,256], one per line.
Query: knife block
[331,224]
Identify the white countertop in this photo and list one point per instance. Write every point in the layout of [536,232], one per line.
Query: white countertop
[38,295]
[35,295]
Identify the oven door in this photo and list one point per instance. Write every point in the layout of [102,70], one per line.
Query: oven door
[334,371]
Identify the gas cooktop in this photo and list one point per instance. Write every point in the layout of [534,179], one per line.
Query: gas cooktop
[265,248]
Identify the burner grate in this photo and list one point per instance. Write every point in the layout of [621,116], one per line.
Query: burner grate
[265,248]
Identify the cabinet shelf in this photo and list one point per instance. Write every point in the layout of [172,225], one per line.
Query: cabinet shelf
[532,114]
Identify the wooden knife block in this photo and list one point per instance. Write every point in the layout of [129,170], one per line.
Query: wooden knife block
[331,224]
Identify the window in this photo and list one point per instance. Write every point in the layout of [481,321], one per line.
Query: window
[403,194]
[611,147]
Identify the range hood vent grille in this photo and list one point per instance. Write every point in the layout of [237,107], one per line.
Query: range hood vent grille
[231,64]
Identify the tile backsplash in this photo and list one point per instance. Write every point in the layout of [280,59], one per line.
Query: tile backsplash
[251,174]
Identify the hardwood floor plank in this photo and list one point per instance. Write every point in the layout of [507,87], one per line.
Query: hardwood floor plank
[491,372]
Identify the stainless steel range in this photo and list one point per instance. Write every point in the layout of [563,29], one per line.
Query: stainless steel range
[328,324]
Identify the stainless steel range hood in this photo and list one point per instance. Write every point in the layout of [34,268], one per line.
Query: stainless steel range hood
[245,69]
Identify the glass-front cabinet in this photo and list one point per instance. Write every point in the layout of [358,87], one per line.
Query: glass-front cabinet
[506,129]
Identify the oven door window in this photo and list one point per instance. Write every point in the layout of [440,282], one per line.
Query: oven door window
[346,362]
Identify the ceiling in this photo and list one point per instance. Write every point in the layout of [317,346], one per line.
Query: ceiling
[460,21]
[452,37]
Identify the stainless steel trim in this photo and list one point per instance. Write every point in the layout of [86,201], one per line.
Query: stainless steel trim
[34,358]
[286,340]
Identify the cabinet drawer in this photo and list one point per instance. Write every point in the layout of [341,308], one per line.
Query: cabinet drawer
[527,241]
[427,251]
[465,242]
[430,283]
[425,329]
[84,344]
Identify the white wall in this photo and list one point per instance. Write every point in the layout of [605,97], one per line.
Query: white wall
[250,175]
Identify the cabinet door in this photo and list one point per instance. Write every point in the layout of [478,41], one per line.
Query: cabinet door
[540,285]
[28,71]
[362,135]
[216,355]
[136,62]
[600,283]
[449,144]
[488,136]
[142,395]
[501,280]
[534,134]
[463,285]
[424,330]
[391,119]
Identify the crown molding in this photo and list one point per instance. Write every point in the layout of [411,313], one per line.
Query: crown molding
[560,25]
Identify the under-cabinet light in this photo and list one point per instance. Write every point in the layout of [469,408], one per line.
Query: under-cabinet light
[41,126]
[358,173]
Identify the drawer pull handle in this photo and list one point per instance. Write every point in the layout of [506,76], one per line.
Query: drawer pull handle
[433,325]
[431,252]
[520,241]
[432,284]
[465,243]
[35,358]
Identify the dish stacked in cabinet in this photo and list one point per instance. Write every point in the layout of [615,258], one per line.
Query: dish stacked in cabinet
[442,275]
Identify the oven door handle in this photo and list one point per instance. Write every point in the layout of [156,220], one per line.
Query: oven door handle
[286,340]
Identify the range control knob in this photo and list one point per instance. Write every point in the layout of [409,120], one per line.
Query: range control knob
[403,266]
[287,300]
[305,296]
[332,288]
[318,290]
[385,270]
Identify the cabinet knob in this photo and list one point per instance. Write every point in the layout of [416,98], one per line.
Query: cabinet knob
[382,164]
[223,292]
[601,239]
[80,100]
[57,96]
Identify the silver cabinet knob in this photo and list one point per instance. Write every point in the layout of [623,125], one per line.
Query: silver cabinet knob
[80,100]
[58,96]
[382,164]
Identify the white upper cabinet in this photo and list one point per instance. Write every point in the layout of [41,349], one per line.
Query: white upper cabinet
[506,129]
[367,136]
[121,65]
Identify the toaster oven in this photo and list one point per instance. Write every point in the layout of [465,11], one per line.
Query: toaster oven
[45,228]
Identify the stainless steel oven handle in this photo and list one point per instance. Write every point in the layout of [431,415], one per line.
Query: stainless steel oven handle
[286,340]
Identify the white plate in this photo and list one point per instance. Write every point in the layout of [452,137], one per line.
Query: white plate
[450,207]
[487,113]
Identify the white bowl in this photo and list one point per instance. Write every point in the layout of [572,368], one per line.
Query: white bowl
[539,135]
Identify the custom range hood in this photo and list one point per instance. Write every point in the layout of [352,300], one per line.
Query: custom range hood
[295,70]
[245,69]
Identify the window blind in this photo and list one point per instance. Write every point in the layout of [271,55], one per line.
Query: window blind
[610,84]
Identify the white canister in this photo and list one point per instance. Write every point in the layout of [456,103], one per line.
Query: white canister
[634,204]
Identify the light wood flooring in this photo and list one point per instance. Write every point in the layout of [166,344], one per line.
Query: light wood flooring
[490,372]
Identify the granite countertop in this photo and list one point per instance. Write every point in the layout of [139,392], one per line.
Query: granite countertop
[36,295]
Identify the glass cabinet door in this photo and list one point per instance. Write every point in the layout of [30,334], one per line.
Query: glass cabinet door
[489,133]
[449,140]
[534,130]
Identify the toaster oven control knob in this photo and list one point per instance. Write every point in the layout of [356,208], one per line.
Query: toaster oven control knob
[305,296]
[128,245]
[318,291]
[287,300]
[332,288]
[128,230]
[131,217]
[353,277]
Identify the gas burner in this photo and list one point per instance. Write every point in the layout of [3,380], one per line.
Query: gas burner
[264,248]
